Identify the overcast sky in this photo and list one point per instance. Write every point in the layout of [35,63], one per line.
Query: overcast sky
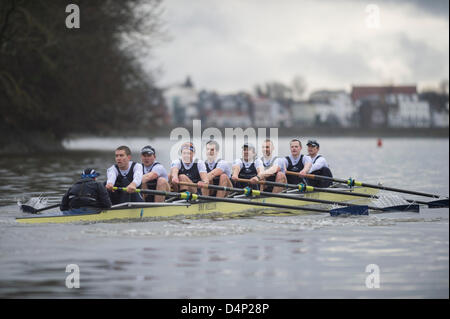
[232,45]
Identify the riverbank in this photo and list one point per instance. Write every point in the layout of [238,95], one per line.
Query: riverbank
[300,131]
[25,142]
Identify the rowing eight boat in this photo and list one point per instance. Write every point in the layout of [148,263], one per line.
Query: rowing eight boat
[182,208]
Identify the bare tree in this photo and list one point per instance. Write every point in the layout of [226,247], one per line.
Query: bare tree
[443,86]
[298,87]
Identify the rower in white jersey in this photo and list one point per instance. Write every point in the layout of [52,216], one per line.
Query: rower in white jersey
[188,169]
[155,175]
[124,174]
[319,165]
[273,170]
[247,167]
[296,162]
[219,171]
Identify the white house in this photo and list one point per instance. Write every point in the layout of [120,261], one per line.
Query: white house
[412,113]
[270,113]
[333,106]
[303,113]
[182,101]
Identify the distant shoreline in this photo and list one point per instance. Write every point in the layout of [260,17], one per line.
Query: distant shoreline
[303,131]
[36,142]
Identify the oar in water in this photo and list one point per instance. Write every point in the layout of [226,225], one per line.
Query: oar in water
[351,182]
[351,210]
[440,203]
[32,210]
[409,208]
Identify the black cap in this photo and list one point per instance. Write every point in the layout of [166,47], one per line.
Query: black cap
[89,172]
[313,143]
[148,150]
[248,145]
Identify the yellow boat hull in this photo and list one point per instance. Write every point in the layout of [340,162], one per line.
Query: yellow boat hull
[137,211]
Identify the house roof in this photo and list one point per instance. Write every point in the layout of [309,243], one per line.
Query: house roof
[360,92]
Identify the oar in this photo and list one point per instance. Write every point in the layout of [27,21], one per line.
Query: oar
[32,210]
[351,182]
[305,188]
[352,210]
[439,203]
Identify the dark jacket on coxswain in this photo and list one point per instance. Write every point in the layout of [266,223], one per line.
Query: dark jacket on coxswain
[86,193]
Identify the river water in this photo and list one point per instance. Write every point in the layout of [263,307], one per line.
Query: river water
[312,256]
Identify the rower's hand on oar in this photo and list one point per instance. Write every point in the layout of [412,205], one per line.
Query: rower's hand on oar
[234,178]
[110,187]
[203,184]
[254,180]
[175,180]
[131,188]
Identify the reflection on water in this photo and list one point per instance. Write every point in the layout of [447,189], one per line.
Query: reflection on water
[312,256]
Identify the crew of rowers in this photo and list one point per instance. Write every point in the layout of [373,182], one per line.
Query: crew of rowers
[189,170]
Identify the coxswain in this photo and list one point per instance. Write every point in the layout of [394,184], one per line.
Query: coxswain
[86,195]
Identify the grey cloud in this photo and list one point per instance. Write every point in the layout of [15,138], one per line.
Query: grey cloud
[329,63]
[433,7]
[205,34]
[423,60]
[202,18]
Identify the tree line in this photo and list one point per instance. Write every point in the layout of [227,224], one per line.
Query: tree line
[59,81]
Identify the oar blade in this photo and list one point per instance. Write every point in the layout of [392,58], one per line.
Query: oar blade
[350,210]
[403,208]
[32,210]
[28,209]
[440,203]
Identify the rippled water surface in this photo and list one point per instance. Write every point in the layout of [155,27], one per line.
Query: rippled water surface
[312,256]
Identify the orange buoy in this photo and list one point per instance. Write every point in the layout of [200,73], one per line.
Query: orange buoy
[379,143]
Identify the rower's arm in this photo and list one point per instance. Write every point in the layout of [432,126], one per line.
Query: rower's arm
[257,178]
[174,171]
[214,173]
[137,175]
[149,177]
[111,176]
[174,174]
[306,168]
[260,170]
[320,163]
[268,172]
[235,171]
[204,177]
